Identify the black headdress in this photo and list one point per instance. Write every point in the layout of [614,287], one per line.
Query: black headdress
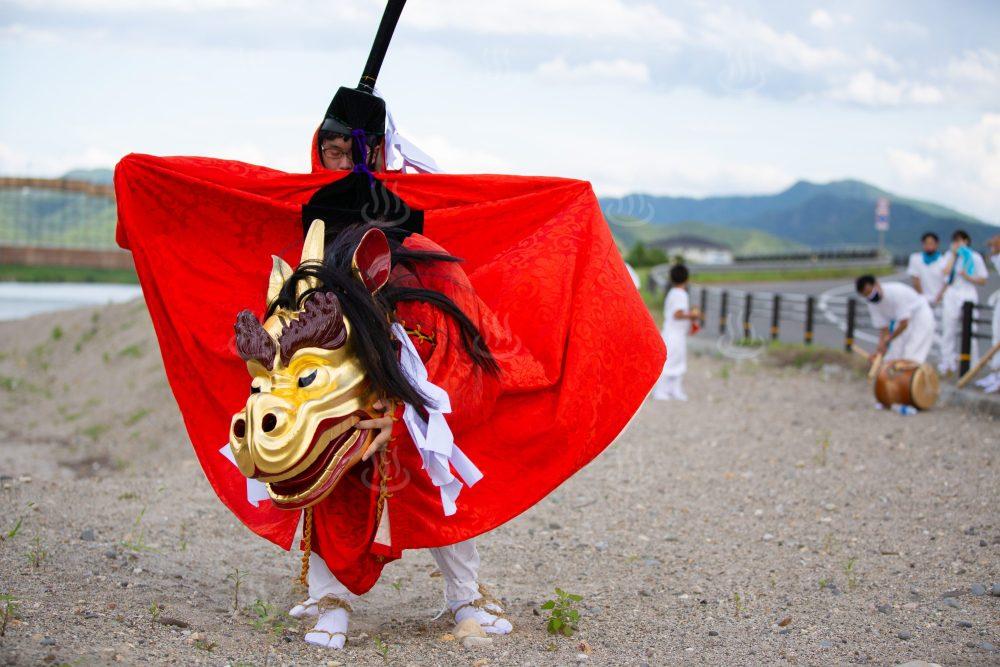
[358,112]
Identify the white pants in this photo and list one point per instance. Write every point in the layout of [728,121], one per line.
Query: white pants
[668,387]
[917,339]
[459,565]
[995,300]
[951,335]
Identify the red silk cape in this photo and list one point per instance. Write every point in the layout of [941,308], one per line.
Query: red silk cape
[578,348]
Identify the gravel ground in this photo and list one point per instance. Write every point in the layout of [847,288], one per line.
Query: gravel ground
[776,518]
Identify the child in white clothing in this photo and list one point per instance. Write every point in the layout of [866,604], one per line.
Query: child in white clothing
[678,317]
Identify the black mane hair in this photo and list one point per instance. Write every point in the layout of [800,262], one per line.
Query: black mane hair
[370,317]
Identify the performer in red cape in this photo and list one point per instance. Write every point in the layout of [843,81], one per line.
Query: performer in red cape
[379,393]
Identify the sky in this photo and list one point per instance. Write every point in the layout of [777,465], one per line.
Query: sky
[679,97]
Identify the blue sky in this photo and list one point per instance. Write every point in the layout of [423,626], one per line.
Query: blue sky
[681,97]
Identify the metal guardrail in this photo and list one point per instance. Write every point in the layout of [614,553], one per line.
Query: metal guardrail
[781,309]
[814,255]
[792,262]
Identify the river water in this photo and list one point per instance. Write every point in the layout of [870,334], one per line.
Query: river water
[20,300]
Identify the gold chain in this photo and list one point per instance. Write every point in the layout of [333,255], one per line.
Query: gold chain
[307,531]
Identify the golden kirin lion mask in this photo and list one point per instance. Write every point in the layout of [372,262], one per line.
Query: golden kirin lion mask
[297,432]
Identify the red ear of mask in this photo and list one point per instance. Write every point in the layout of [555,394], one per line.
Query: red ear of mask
[372,260]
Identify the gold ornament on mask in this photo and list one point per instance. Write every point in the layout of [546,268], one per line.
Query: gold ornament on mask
[297,432]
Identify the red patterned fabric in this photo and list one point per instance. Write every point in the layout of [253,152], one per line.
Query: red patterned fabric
[541,278]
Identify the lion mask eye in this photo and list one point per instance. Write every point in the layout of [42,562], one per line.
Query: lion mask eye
[307,379]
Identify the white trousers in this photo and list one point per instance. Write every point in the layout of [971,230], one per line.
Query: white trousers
[459,565]
[951,335]
[917,339]
[668,387]
[995,300]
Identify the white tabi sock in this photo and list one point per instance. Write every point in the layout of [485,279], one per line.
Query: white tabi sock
[459,565]
[329,600]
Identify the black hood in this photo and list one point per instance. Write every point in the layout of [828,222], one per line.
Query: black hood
[354,199]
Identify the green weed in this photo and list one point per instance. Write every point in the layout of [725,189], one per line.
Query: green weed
[563,615]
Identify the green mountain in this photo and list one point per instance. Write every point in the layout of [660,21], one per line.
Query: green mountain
[100,175]
[807,214]
[742,241]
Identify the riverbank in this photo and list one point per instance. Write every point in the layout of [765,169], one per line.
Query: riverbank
[66,274]
[775,518]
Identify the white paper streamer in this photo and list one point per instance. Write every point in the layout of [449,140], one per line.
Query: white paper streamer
[433,437]
[256,490]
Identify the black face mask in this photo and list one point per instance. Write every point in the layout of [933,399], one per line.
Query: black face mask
[875,296]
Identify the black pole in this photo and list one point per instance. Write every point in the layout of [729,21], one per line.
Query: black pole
[776,317]
[810,307]
[849,334]
[965,356]
[723,307]
[704,304]
[381,44]
[747,306]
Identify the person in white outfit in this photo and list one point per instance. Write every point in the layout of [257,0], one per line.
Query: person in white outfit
[964,269]
[926,269]
[677,319]
[991,383]
[902,316]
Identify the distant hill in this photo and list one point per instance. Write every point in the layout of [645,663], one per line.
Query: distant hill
[102,175]
[740,241]
[815,215]
[806,215]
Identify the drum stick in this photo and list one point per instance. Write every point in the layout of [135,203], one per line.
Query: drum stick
[876,365]
[979,366]
[876,361]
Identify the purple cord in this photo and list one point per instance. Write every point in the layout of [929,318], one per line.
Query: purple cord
[362,167]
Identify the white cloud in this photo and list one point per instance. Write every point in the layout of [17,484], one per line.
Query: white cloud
[958,164]
[571,18]
[905,28]
[824,20]
[981,67]
[145,5]
[821,19]
[17,32]
[881,59]
[910,166]
[14,162]
[455,159]
[595,71]
[725,28]
[867,89]
[688,174]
